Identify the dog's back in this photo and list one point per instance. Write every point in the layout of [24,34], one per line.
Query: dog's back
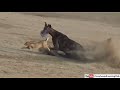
[66,44]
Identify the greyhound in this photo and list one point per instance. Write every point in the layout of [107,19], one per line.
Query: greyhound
[61,41]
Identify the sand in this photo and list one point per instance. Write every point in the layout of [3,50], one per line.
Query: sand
[16,28]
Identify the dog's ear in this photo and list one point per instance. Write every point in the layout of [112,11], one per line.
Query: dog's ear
[49,25]
[45,24]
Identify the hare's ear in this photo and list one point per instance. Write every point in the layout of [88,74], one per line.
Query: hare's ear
[45,24]
[49,25]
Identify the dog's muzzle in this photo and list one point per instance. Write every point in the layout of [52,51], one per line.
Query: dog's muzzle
[43,34]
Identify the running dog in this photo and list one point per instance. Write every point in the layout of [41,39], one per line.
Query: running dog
[61,41]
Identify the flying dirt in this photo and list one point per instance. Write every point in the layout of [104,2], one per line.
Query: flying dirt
[106,51]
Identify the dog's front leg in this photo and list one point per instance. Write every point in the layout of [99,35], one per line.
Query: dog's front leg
[56,45]
[55,50]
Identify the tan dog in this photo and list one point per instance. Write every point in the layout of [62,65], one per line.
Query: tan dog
[41,45]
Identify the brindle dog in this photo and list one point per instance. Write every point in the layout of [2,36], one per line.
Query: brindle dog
[61,41]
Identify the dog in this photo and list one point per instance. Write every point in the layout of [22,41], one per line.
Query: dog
[61,41]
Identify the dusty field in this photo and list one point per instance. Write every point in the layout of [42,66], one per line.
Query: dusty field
[17,28]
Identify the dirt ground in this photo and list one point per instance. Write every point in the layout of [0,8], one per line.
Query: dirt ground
[16,28]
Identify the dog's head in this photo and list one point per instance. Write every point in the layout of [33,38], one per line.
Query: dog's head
[47,28]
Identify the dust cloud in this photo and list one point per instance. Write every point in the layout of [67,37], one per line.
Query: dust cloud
[106,51]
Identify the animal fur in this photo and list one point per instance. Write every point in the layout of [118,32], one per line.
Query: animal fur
[40,45]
